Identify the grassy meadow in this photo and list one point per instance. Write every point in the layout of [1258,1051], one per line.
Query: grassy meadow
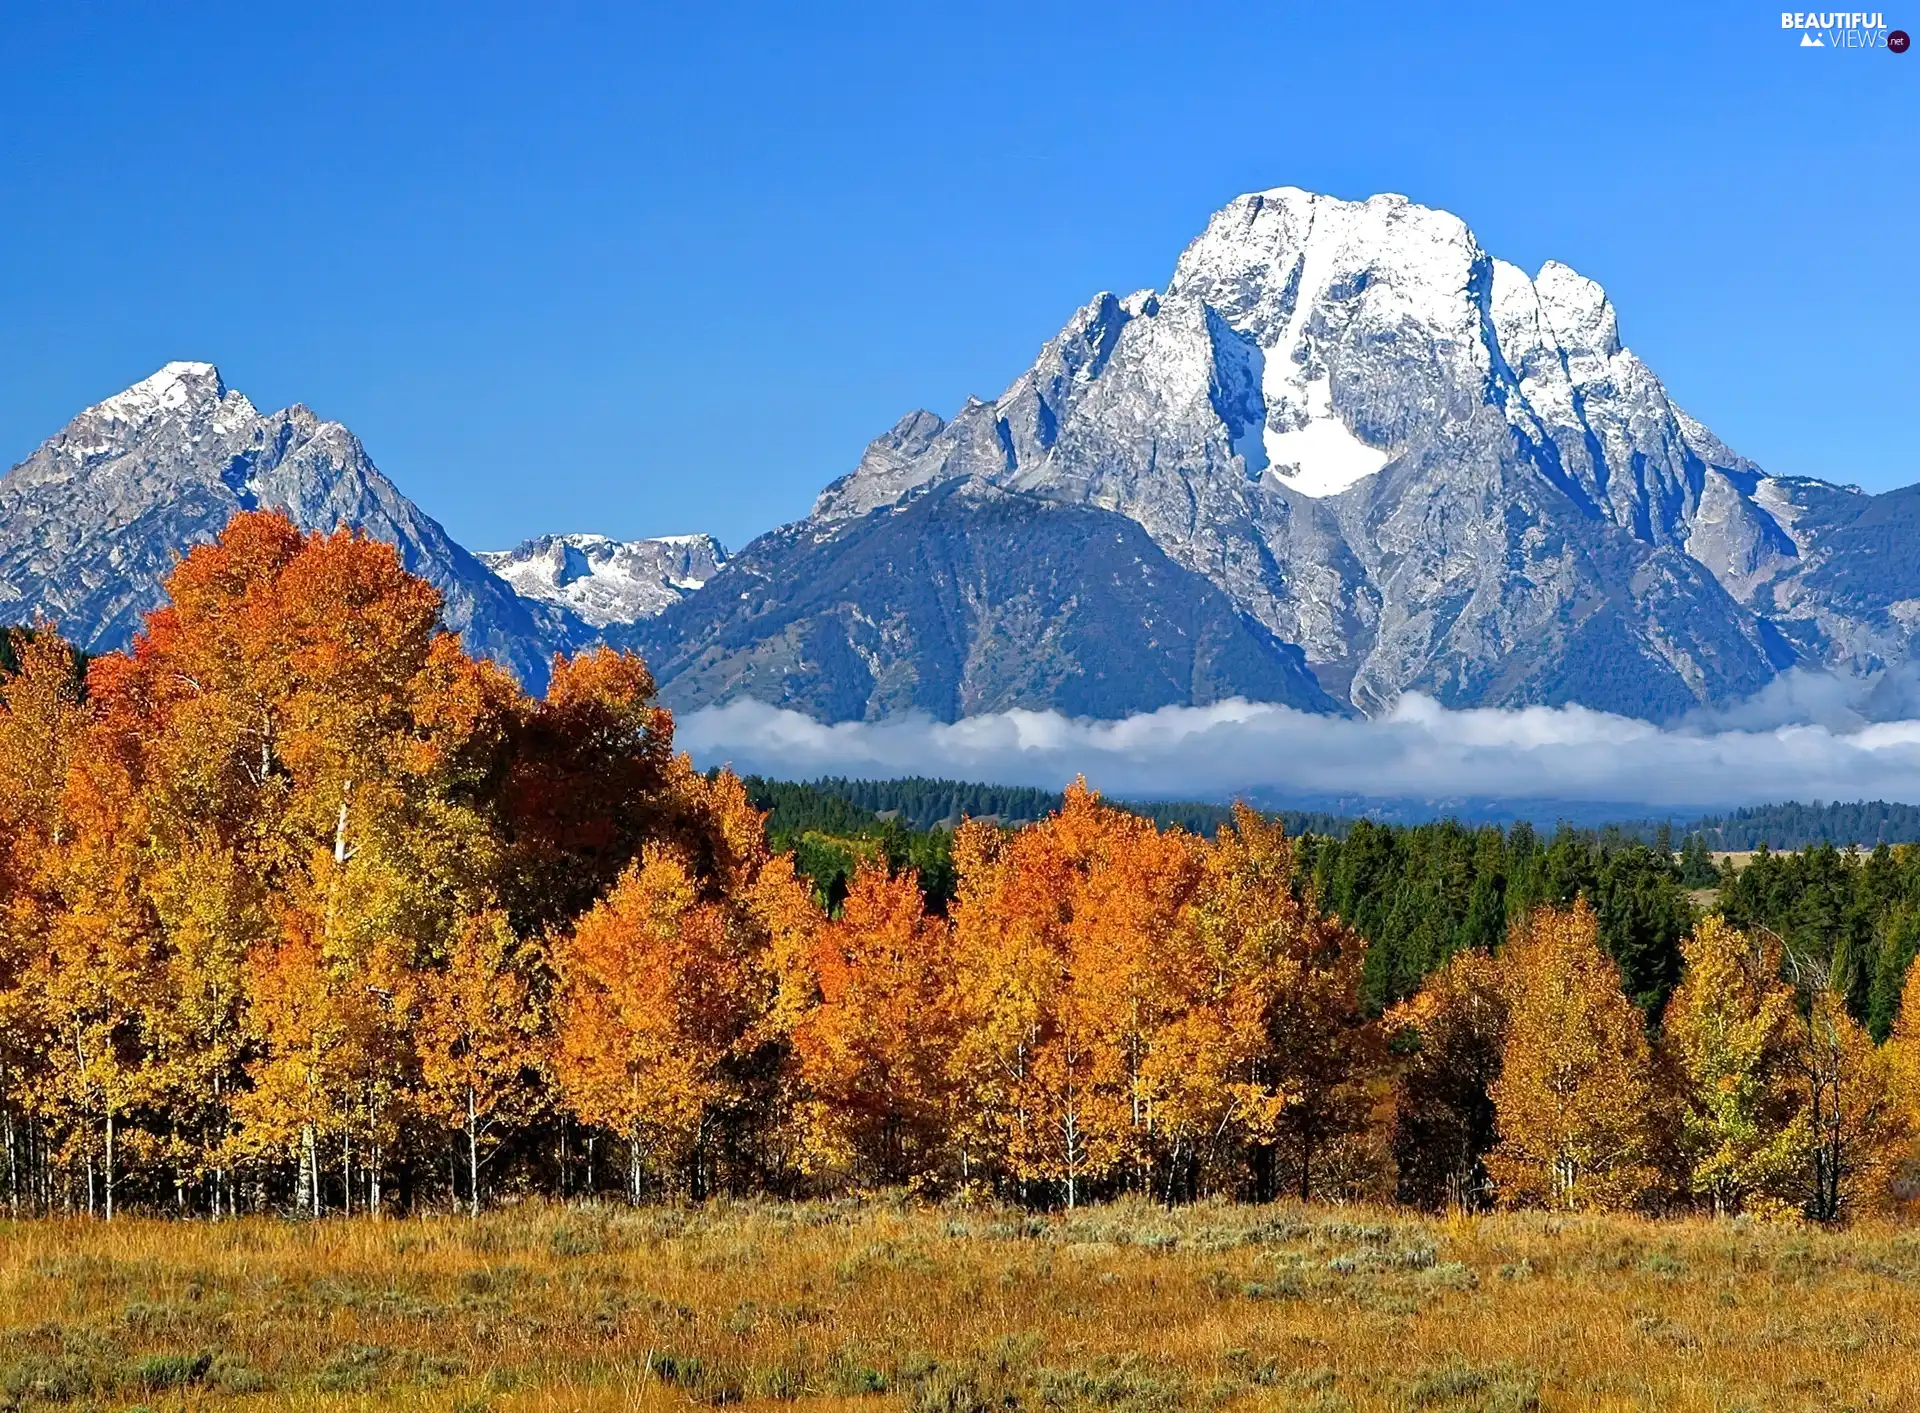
[879,1306]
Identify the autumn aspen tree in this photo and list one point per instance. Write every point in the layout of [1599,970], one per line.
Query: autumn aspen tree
[1730,1029]
[1575,1098]
[476,1028]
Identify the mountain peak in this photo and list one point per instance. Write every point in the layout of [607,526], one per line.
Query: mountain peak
[1582,316]
[93,521]
[176,386]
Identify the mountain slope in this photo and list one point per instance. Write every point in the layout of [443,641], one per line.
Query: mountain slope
[964,600]
[1431,471]
[92,522]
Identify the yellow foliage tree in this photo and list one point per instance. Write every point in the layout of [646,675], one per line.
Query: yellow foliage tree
[1902,1052]
[293,1101]
[1730,1031]
[42,721]
[1443,1098]
[475,1036]
[1264,1046]
[1856,1127]
[1055,932]
[1574,1103]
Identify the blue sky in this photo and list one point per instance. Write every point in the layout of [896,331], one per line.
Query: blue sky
[650,270]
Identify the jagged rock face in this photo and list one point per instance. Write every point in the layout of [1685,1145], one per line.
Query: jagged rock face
[967,599]
[93,521]
[1427,469]
[606,581]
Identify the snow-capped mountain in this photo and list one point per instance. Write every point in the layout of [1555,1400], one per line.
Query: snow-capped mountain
[607,581]
[1430,470]
[91,523]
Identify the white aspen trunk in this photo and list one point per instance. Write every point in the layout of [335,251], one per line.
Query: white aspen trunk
[109,1175]
[340,829]
[310,1170]
[473,1157]
[13,1170]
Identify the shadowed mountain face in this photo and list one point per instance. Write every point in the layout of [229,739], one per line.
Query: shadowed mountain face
[93,521]
[968,599]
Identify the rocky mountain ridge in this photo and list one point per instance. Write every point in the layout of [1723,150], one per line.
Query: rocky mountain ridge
[92,521]
[1426,468]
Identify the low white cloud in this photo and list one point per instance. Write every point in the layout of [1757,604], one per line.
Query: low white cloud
[1809,740]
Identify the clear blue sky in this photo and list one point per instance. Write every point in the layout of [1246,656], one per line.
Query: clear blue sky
[648,270]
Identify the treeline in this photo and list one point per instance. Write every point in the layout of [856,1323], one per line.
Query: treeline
[1418,894]
[828,837]
[302,909]
[921,803]
[1795,826]
[1422,893]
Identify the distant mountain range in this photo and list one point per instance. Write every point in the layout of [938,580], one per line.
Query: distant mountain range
[608,582]
[1343,455]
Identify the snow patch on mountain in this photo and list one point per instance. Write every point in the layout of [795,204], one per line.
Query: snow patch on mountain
[1323,458]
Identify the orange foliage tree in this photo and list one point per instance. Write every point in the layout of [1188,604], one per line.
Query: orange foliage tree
[1056,931]
[658,993]
[870,1027]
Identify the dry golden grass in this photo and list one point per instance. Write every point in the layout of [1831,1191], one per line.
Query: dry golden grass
[877,1306]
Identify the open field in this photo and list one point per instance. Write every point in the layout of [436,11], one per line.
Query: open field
[876,1306]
